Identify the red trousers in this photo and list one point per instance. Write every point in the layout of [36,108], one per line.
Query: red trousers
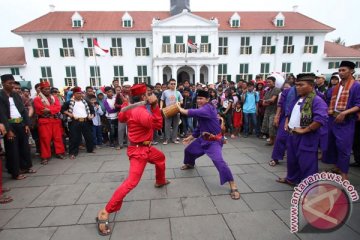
[139,157]
[50,130]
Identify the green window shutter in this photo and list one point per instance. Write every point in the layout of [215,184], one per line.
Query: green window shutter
[148,80]
[290,40]
[241,68]
[305,49]
[284,49]
[111,52]
[73,70]
[304,67]
[45,43]
[246,68]
[247,41]
[204,39]
[209,47]
[92,71]
[90,42]
[139,70]
[166,39]
[283,67]
[116,71]
[121,70]
[306,40]
[330,65]
[113,42]
[237,78]
[147,51]
[179,39]
[39,43]
[126,79]
[43,72]
[138,42]
[136,80]
[228,77]
[315,49]
[67,70]
[225,68]
[86,50]
[64,42]
[49,74]
[46,52]
[225,41]
[250,76]
[250,50]
[267,67]
[119,42]
[98,71]
[273,48]
[70,43]
[35,53]
[144,70]
[221,41]
[292,49]
[143,42]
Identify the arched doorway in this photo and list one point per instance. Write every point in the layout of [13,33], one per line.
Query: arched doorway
[185,73]
[166,74]
[204,75]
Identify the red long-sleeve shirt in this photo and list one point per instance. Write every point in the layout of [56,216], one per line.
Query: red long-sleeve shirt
[141,122]
[39,107]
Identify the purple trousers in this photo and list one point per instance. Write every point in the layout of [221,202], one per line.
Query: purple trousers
[213,149]
[280,142]
[300,163]
[341,137]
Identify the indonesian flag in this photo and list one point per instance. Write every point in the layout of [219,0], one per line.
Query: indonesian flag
[98,50]
[191,44]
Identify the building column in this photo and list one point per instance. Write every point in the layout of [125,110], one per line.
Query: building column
[197,74]
[215,73]
[159,75]
[154,75]
[210,79]
[174,71]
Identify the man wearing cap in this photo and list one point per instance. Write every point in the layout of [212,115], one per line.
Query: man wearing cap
[47,108]
[344,105]
[208,140]
[79,113]
[320,83]
[306,115]
[17,150]
[142,121]
[269,102]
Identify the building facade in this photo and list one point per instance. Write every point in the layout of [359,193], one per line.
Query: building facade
[153,47]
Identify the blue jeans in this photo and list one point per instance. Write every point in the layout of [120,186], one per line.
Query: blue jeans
[97,135]
[247,118]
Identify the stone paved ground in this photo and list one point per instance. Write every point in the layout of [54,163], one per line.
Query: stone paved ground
[61,200]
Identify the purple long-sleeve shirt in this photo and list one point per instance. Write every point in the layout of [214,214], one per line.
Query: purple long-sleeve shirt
[207,120]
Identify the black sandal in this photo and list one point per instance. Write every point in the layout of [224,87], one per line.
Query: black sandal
[233,194]
[285,181]
[187,167]
[107,227]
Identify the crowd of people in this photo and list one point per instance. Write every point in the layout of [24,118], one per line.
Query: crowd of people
[305,116]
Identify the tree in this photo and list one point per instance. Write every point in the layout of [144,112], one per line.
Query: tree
[339,41]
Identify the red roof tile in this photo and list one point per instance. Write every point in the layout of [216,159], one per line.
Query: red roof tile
[12,56]
[111,21]
[337,50]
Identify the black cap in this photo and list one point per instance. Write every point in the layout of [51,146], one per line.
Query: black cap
[348,64]
[305,77]
[7,77]
[202,93]
[271,78]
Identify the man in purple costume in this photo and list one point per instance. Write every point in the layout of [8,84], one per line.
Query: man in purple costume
[279,121]
[208,140]
[344,104]
[308,112]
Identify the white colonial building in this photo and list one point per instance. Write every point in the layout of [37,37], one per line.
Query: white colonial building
[155,46]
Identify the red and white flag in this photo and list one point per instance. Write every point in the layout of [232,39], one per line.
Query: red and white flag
[98,50]
[191,44]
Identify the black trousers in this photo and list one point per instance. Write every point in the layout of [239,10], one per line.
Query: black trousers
[17,151]
[356,144]
[78,129]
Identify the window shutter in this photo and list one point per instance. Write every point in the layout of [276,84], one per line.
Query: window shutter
[144,71]
[121,71]
[148,79]
[35,53]
[273,49]
[315,49]
[147,52]
[250,76]
[284,49]
[209,47]
[86,52]
[292,49]
[67,70]
[113,42]
[116,71]
[136,80]
[250,50]
[39,42]
[237,78]
[46,51]
[111,52]
[70,43]
[64,42]
[126,79]
[228,77]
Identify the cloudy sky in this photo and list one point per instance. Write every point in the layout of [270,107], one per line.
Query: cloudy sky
[342,15]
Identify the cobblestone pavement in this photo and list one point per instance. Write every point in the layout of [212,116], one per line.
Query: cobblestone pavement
[61,200]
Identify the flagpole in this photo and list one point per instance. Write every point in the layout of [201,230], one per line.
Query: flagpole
[96,65]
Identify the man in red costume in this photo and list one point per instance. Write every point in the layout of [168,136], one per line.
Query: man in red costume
[142,121]
[50,129]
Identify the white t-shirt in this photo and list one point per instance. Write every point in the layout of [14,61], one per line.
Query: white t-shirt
[79,110]
[14,112]
[338,97]
[295,118]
